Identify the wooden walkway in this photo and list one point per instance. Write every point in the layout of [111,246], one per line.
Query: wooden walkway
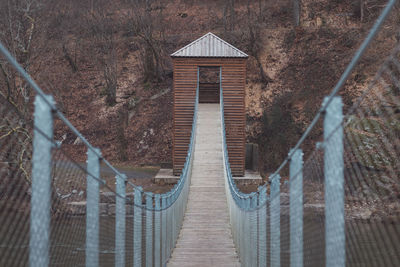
[205,238]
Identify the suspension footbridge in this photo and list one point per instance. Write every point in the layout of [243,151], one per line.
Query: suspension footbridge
[337,207]
[205,238]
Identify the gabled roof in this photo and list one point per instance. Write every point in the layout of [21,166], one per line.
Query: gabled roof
[209,45]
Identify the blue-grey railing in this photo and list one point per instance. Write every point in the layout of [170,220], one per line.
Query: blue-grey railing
[270,229]
[352,175]
[153,224]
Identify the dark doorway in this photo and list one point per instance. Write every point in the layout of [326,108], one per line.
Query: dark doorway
[209,84]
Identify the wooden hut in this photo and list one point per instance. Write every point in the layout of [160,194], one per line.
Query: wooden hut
[209,51]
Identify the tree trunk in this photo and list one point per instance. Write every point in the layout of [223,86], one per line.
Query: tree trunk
[296,12]
[264,77]
[229,15]
[361,10]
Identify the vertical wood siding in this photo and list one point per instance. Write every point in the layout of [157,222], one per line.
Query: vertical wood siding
[233,77]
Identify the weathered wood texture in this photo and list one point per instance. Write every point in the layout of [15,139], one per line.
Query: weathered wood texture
[209,93]
[205,238]
[233,78]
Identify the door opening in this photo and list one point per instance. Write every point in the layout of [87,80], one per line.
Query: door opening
[209,84]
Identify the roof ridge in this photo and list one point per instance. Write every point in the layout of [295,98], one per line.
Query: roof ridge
[181,52]
[225,42]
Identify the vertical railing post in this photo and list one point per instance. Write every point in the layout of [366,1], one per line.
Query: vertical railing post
[92,207]
[157,231]
[163,229]
[275,221]
[236,221]
[137,227]
[149,229]
[41,183]
[168,232]
[175,216]
[262,224]
[171,228]
[334,178]
[246,231]
[296,209]
[238,226]
[120,221]
[253,229]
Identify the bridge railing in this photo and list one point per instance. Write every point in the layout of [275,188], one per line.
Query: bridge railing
[241,206]
[57,211]
[340,206]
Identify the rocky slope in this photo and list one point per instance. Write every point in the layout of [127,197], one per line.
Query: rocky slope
[302,65]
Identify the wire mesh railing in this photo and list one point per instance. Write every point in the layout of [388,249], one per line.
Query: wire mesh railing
[15,155]
[341,206]
[57,211]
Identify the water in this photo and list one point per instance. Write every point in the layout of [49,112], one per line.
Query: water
[367,243]
[67,243]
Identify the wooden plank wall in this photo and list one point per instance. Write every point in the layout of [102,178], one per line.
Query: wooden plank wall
[185,83]
[233,86]
[233,83]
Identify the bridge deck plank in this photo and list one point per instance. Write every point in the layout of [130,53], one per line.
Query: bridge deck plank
[205,238]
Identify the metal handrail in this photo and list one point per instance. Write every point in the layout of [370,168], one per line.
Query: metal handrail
[176,190]
[236,193]
[349,69]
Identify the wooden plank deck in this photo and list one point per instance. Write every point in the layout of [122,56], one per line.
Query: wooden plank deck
[205,238]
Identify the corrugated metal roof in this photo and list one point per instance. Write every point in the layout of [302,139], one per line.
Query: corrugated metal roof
[209,45]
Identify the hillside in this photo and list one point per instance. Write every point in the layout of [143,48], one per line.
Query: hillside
[107,64]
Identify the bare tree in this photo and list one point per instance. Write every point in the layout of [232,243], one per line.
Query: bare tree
[296,12]
[70,58]
[102,29]
[148,25]
[229,16]
[397,20]
[252,34]
[20,23]
[111,76]
[18,29]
